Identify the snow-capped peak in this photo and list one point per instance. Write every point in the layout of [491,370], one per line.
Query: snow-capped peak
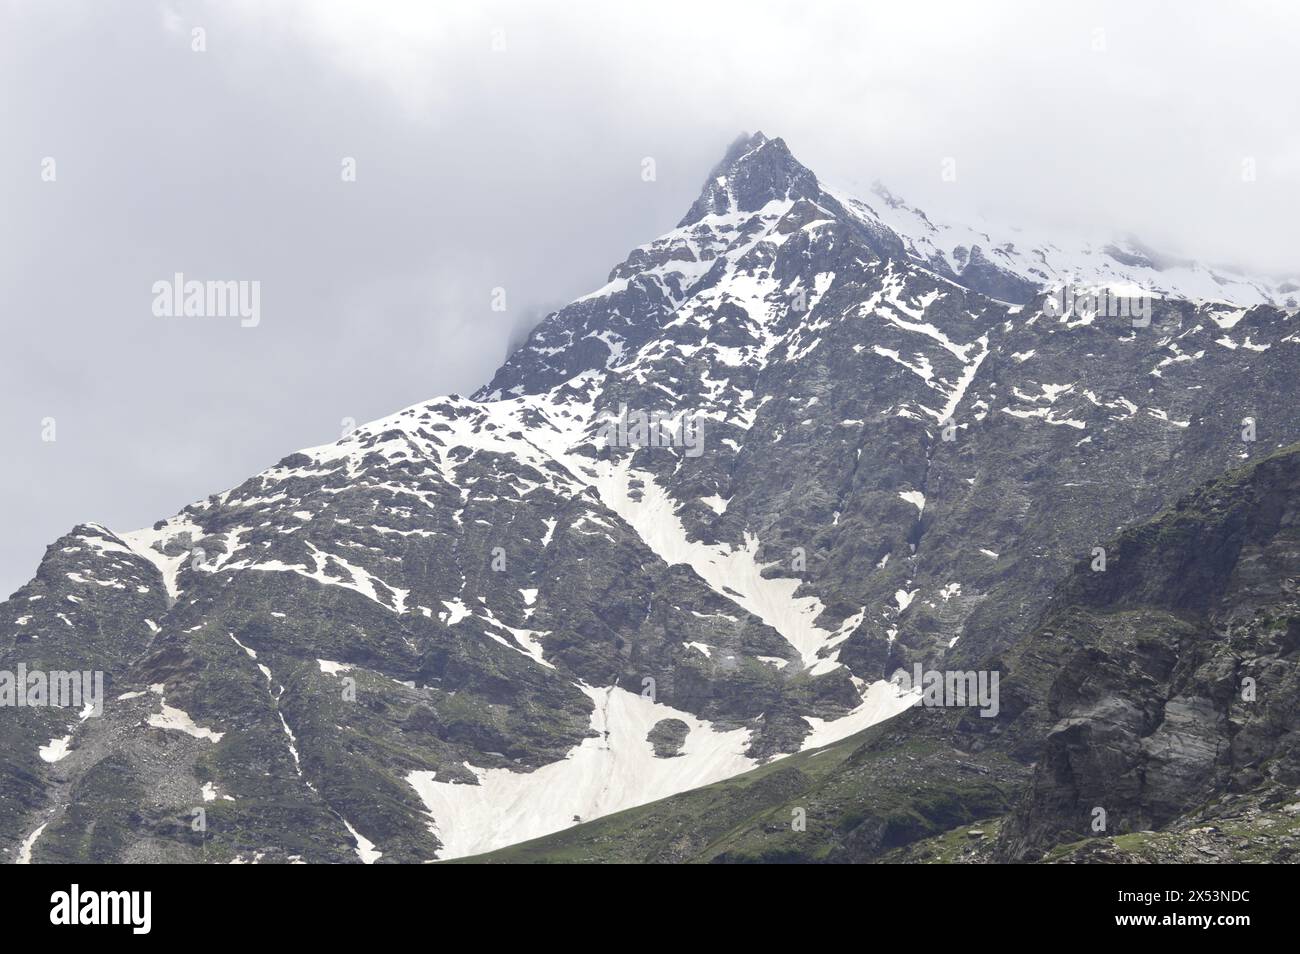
[1013,264]
[755,171]
[1004,262]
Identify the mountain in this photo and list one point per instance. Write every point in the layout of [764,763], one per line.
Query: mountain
[1012,264]
[689,530]
[1161,691]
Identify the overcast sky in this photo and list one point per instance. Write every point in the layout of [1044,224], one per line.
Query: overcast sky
[502,146]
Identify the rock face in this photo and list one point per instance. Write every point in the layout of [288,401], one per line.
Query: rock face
[1184,689]
[688,529]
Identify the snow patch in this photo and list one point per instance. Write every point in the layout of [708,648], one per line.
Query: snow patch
[915,498]
[611,771]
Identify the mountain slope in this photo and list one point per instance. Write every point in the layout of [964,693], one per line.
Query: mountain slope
[1161,691]
[479,620]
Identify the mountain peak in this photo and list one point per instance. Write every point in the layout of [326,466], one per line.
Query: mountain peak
[754,171]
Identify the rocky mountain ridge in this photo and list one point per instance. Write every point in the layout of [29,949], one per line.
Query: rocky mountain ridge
[480,620]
